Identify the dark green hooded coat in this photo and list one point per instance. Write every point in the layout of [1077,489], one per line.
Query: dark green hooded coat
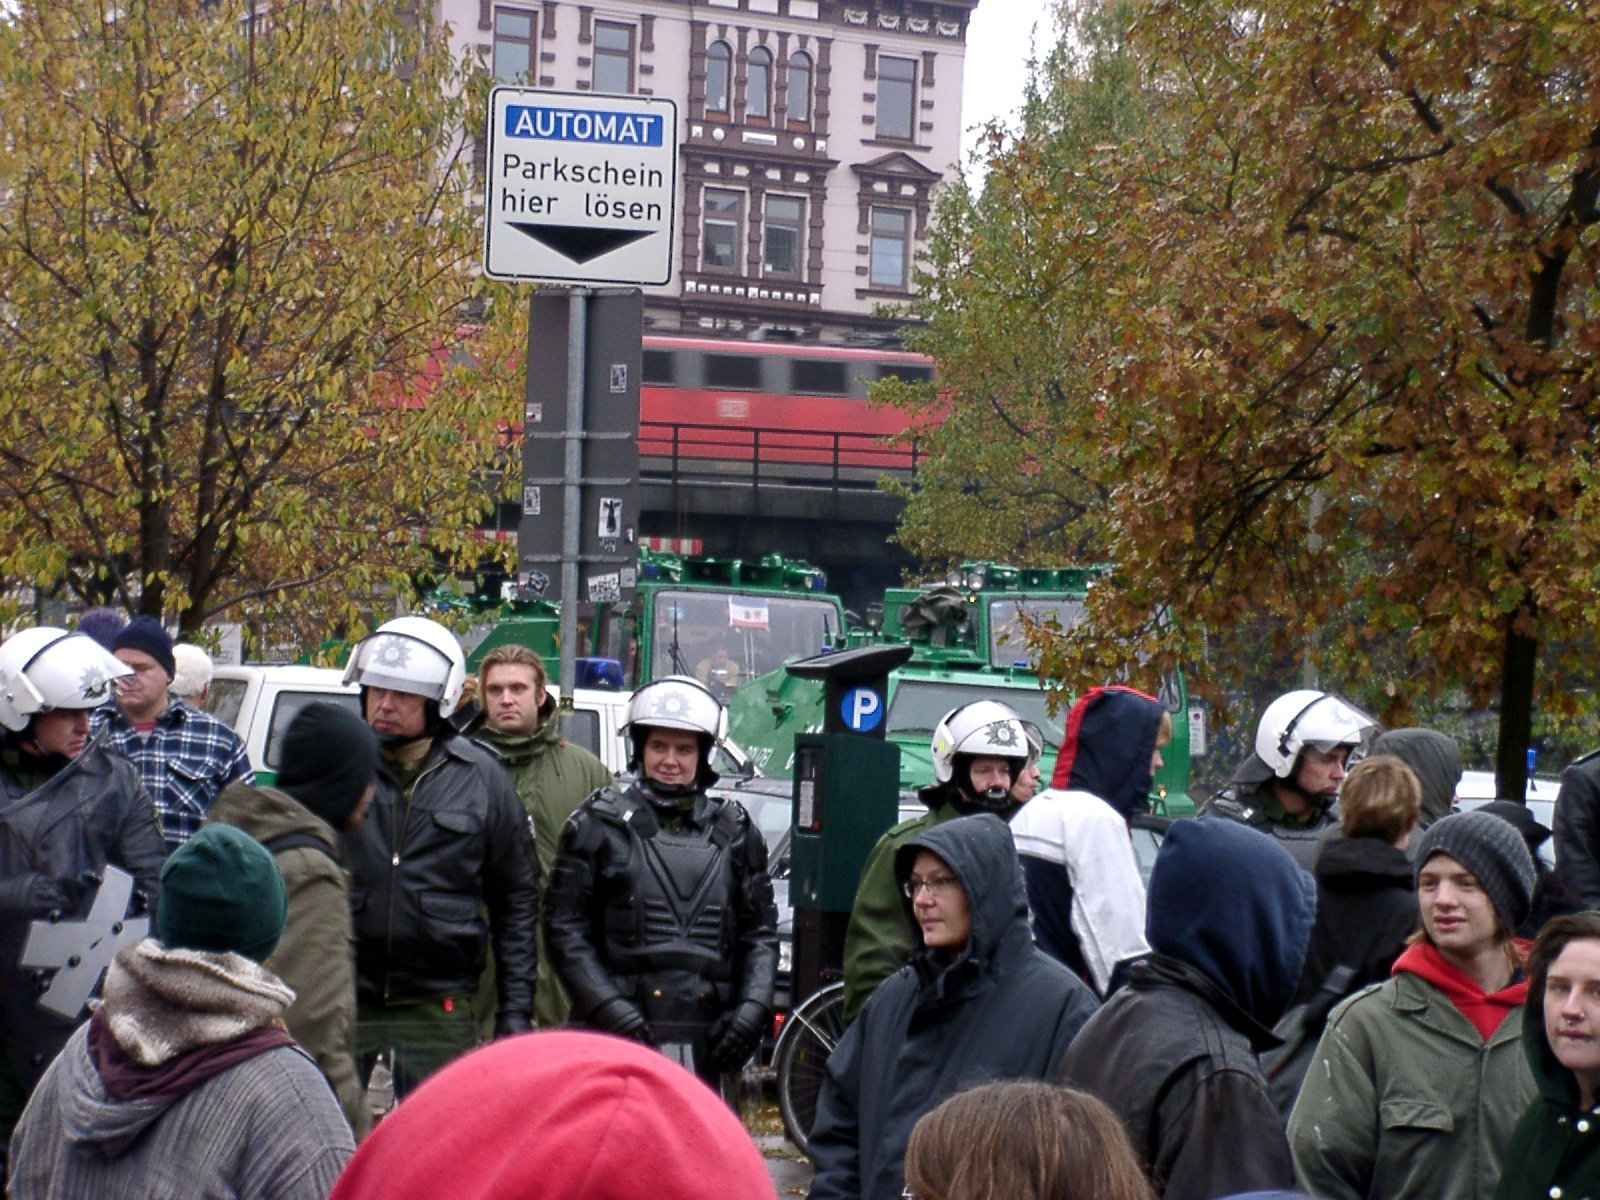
[1555,1148]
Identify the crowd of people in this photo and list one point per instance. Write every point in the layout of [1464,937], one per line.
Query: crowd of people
[1331,983]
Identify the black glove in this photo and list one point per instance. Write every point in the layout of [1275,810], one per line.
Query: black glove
[36,896]
[734,1036]
[617,1016]
[509,1024]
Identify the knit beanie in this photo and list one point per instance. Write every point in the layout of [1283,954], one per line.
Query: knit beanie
[327,760]
[102,623]
[556,1115]
[222,890]
[146,633]
[1494,852]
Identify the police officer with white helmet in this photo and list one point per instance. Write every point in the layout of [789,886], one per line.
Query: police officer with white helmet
[68,809]
[659,915]
[446,842]
[1289,785]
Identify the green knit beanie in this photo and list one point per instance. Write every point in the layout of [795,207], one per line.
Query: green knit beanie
[222,890]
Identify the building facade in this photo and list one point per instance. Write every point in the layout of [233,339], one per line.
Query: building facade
[814,134]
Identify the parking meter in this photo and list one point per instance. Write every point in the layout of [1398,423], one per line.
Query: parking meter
[846,794]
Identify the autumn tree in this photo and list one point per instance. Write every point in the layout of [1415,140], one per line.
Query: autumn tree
[237,269]
[1338,308]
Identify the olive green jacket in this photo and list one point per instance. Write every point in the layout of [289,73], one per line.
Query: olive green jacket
[552,778]
[1405,1101]
[878,940]
[316,955]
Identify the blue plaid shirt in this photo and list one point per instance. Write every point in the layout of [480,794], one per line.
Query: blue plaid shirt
[184,762]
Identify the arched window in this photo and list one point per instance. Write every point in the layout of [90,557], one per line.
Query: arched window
[758,84]
[799,99]
[719,76]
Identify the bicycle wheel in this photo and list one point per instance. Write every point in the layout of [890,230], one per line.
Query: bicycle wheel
[801,1058]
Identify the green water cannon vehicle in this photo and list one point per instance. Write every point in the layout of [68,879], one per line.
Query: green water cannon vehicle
[967,634]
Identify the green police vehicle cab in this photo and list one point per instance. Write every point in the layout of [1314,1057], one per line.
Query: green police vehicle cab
[967,638]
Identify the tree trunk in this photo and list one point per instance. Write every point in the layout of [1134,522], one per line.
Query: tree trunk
[1518,666]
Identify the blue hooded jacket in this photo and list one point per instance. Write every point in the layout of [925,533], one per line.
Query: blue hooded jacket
[1106,749]
[999,1009]
[1174,1052]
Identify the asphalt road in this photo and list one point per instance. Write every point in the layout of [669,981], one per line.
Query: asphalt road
[791,1173]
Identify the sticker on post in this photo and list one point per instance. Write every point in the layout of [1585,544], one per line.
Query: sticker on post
[604,588]
[619,379]
[610,522]
[530,501]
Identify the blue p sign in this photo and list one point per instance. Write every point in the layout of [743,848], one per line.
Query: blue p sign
[862,709]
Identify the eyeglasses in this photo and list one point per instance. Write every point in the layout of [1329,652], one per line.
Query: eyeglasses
[938,887]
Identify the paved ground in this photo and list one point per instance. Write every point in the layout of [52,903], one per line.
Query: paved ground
[791,1173]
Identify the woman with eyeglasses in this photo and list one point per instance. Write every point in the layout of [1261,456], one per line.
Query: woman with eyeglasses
[977,1003]
[1023,1140]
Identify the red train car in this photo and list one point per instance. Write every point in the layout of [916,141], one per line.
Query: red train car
[772,402]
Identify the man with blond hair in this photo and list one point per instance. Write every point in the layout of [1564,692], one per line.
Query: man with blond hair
[552,776]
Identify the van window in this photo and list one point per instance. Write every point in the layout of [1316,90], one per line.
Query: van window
[582,728]
[225,700]
[287,704]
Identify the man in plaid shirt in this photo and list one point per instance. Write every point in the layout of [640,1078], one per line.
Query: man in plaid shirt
[185,756]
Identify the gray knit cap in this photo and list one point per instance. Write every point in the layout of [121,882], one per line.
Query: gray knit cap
[1494,852]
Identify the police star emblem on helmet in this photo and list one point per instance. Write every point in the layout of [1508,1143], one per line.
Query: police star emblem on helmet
[392,652]
[671,705]
[94,684]
[1000,733]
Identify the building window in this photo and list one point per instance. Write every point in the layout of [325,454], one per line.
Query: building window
[721,223]
[891,248]
[897,94]
[613,57]
[513,45]
[719,76]
[758,84]
[799,98]
[782,237]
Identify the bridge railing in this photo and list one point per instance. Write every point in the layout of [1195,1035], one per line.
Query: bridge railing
[744,456]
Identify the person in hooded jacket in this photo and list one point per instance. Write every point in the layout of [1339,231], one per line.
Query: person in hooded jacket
[1174,1052]
[978,1002]
[184,1082]
[69,808]
[980,752]
[326,779]
[1416,1084]
[1555,1148]
[1436,760]
[1084,887]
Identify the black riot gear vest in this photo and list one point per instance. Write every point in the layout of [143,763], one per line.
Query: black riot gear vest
[670,928]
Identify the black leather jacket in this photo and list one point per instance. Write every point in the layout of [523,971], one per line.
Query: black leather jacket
[681,925]
[92,812]
[423,866]
[1577,828]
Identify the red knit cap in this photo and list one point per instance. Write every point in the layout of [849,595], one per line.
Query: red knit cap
[555,1116]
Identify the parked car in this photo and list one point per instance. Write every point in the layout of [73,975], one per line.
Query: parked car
[258,700]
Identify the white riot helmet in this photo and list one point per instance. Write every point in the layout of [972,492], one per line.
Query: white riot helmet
[1296,720]
[47,668]
[677,702]
[981,729]
[411,654]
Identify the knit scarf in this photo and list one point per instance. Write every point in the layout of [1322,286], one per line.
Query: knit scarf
[174,1018]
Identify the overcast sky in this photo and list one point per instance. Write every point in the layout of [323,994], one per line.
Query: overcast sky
[998,39]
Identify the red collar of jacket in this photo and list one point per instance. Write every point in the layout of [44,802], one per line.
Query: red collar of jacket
[1486,1010]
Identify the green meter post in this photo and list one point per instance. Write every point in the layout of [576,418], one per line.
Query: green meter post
[846,794]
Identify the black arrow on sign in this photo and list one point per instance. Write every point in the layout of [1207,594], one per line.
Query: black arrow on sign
[580,243]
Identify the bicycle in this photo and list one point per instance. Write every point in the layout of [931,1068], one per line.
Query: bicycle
[800,1059]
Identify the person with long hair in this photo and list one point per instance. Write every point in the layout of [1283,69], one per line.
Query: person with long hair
[1023,1140]
[1555,1148]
